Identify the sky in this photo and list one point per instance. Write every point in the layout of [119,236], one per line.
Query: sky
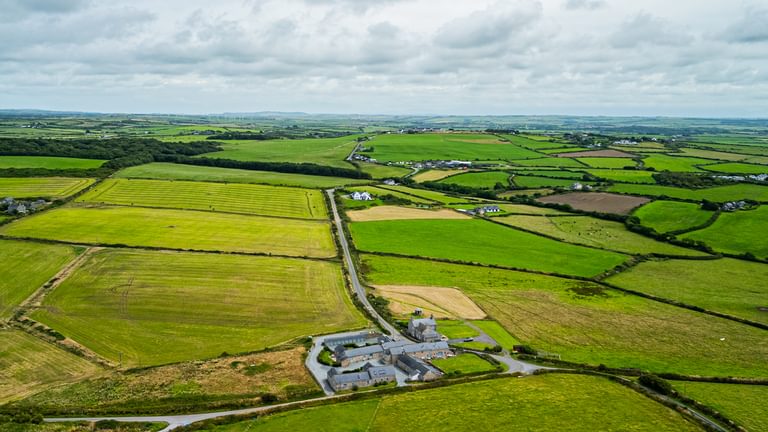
[701,58]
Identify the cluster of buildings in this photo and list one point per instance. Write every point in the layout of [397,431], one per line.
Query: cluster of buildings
[482,210]
[753,177]
[733,206]
[579,186]
[625,142]
[383,359]
[363,158]
[13,207]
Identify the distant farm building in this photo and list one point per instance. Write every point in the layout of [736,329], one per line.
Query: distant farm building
[361,196]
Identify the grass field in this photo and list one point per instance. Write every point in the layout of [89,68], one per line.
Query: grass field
[711,154]
[735,232]
[482,180]
[481,242]
[497,333]
[418,147]
[586,323]
[663,162]
[25,268]
[556,173]
[624,176]
[666,216]
[42,187]
[178,229]
[378,171]
[238,379]
[600,233]
[429,195]
[453,329]
[744,404]
[169,171]
[515,209]
[28,364]
[551,162]
[322,151]
[607,162]
[717,194]
[48,162]
[220,197]
[538,182]
[133,302]
[725,285]
[537,403]
[463,364]
[738,168]
[596,202]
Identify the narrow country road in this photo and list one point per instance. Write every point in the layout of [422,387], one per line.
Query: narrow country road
[358,288]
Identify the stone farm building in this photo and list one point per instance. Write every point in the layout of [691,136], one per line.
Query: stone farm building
[423,329]
[369,376]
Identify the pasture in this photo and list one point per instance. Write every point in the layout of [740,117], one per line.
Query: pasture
[623,176]
[599,233]
[550,162]
[597,154]
[429,195]
[398,213]
[712,154]
[220,197]
[178,229]
[444,146]
[478,241]
[724,285]
[735,232]
[718,194]
[26,267]
[28,365]
[587,323]
[664,162]
[556,173]
[379,171]
[496,332]
[480,180]
[463,364]
[514,209]
[42,187]
[379,191]
[169,171]
[129,303]
[738,168]
[596,202]
[48,162]
[744,404]
[321,151]
[607,162]
[525,181]
[666,216]
[536,403]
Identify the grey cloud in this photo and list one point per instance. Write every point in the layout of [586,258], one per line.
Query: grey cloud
[584,4]
[646,29]
[493,25]
[751,28]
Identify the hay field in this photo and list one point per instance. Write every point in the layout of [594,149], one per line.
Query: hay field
[220,197]
[42,187]
[439,301]
[178,229]
[162,307]
[379,213]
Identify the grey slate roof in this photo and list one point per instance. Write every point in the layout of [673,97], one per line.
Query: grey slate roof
[354,352]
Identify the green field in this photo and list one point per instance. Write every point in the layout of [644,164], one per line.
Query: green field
[321,151]
[514,209]
[717,194]
[624,176]
[587,323]
[42,187]
[551,162]
[538,182]
[482,180]
[178,229]
[738,168]
[725,285]
[169,171]
[599,233]
[735,232]
[608,162]
[666,216]
[48,162]
[383,171]
[480,242]
[663,162]
[463,364]
[556,173]
[447,146]
[537,403]
[160,307]
[453,329]
[220,197]
[429,195]
[25,268]
[744,404]
[496,332]
[711,154]
[28,364]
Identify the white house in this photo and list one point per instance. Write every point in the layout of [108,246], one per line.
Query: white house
[361,196]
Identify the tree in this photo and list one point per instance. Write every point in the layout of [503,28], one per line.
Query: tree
[653,382]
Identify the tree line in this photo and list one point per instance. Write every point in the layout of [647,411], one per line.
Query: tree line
[284,167]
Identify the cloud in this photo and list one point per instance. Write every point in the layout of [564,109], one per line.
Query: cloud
[751,28]
[647,29]
[584,4]
[494,25]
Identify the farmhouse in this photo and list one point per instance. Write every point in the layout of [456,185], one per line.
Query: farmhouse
[422,351]
[348,356]
[487,209]
[369,376]
[417,370]
[361,196]
[362,338]
[423,329]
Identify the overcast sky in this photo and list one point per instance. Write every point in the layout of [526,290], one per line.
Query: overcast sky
[582,57]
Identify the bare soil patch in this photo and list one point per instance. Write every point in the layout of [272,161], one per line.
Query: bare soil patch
[596,153]
[380,213]
[597,201]
[438,301]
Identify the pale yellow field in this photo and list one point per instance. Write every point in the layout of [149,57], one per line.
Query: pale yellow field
[435,175]
[438,301]
[380,213]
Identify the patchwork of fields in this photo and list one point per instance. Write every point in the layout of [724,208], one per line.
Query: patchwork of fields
[735,233]
[128,304]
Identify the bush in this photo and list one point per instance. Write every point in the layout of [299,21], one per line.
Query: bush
[269,398]
[655,383]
